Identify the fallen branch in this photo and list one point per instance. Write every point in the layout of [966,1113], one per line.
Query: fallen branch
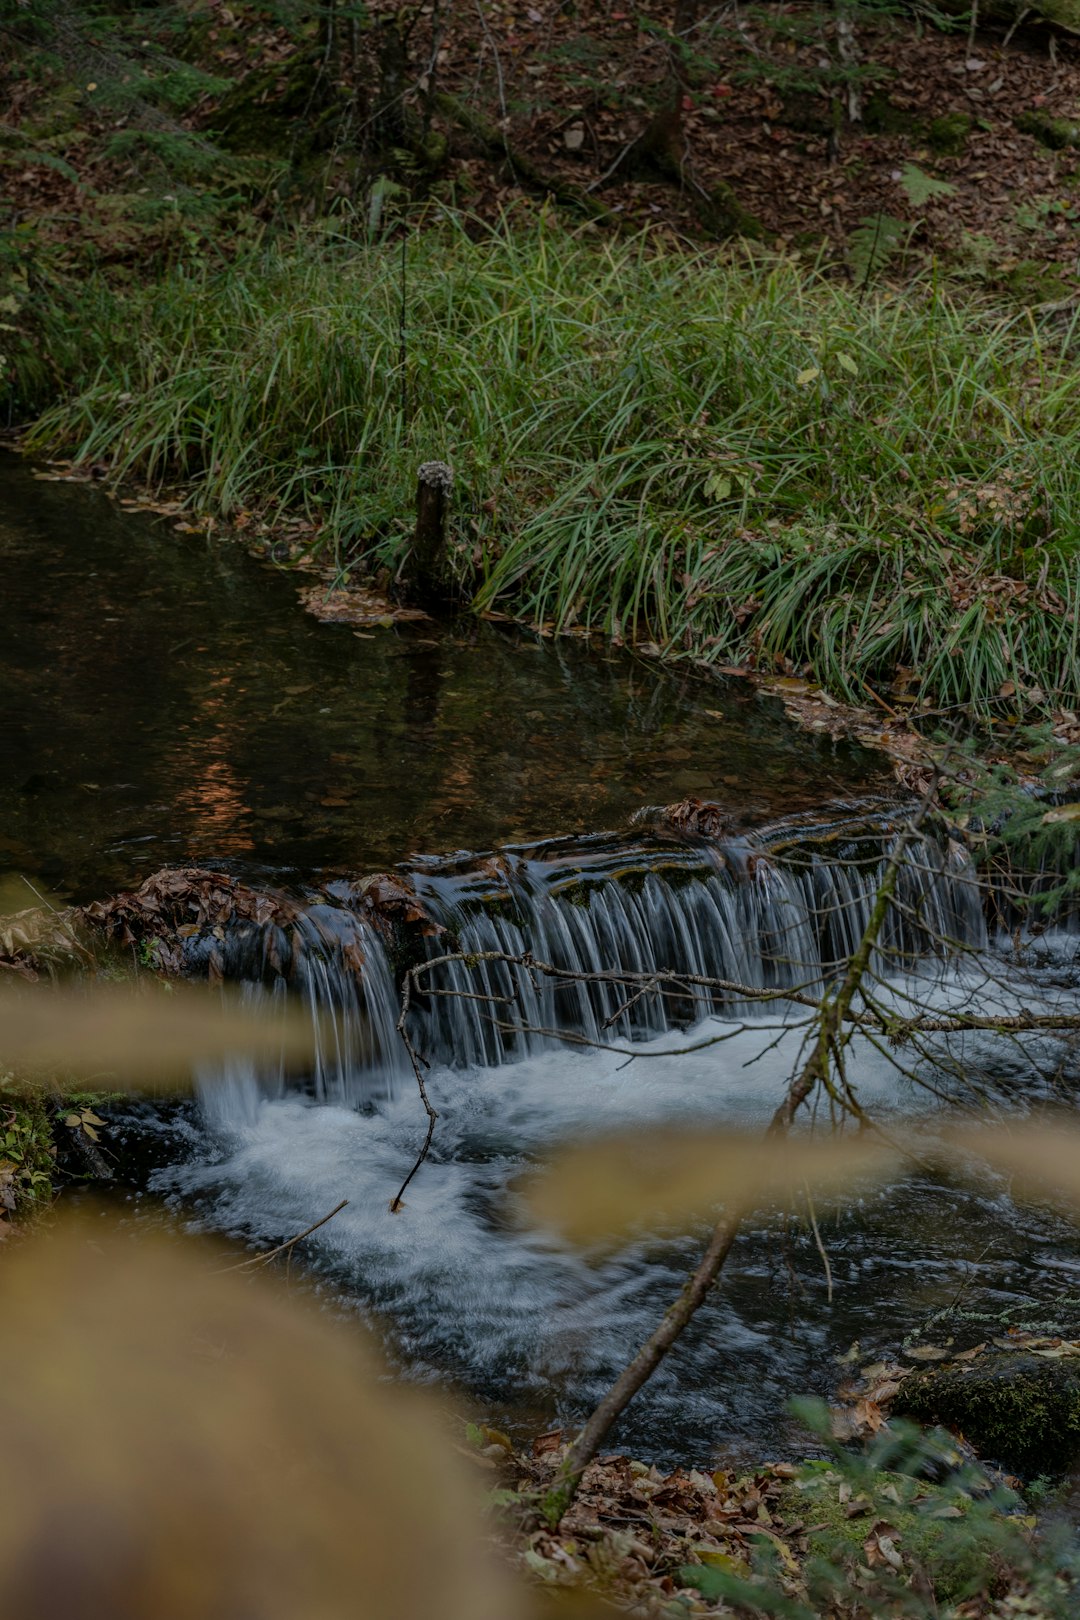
[813,1072]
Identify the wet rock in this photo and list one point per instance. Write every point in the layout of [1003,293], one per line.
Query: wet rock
[1017,1408]
[179,908]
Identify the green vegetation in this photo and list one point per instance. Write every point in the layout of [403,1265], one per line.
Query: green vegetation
[27,1152]
[882,1537]
[732,458]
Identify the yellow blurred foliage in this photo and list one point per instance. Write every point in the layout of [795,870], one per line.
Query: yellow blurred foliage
[1043,1156]
[178,1445]
[144,1036]
[614,1184]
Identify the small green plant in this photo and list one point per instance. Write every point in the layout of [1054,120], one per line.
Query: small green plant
[906,1527]
[27,1154]
[872,246]
[921,187]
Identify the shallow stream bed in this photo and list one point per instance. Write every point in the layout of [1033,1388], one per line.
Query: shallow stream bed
[164,700]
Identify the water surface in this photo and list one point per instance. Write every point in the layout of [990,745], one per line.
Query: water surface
[163,699]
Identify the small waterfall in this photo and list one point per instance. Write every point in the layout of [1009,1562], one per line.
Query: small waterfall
[750,919]
[336,963]
[782,910]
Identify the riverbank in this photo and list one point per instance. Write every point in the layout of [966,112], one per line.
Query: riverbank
[733,461]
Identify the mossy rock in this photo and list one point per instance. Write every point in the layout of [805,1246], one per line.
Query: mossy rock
[881,116]
[1064,14]
[1017,1409]
[806,112]
[1056,133]
[949,133]
[938,1531]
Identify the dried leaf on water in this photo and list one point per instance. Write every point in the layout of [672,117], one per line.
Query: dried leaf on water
[354,604]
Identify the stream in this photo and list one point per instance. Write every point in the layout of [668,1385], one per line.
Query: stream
[164,700]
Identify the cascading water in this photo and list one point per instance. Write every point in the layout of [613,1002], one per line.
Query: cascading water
[461,1285]
[741,917]
[784,910]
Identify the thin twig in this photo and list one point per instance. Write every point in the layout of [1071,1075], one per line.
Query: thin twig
[261,1259]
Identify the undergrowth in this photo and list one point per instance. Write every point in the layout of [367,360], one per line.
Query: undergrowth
[732,458]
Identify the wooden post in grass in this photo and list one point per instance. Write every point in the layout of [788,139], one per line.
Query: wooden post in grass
[426,577]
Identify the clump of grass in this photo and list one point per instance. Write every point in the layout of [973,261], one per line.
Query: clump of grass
[736,459]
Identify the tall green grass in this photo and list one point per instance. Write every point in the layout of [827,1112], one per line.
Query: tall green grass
[735,459]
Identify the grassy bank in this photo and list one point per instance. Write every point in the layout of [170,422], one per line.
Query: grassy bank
[731,458]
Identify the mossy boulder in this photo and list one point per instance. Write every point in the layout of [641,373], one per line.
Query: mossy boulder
[1016,1408]
[1063,14]
[940,1532]
[1056,133]
[949,133]
[807,112]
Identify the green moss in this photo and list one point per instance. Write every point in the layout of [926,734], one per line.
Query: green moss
[949,133]
[1066,13]
[287,111]
[1017,1409]
[1056,133]
[937,1530]
[883,117]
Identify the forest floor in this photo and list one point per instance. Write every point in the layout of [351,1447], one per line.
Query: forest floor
[120,141]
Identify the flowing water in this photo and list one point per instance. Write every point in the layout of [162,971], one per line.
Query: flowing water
[165,701]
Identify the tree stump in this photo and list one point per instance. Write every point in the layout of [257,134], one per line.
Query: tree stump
[426,576]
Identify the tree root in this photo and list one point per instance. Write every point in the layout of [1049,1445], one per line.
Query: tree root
[497,145]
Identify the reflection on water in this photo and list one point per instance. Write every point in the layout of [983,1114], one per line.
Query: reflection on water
[163,699]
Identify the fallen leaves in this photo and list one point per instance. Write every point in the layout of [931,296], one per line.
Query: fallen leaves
[36,938]
[354,604]
[697,817]
[640,1532]
[390,902]
[179,904]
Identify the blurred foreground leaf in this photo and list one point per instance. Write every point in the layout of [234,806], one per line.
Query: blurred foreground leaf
[1043,1158]
[615,1183]
[184,1446]
[145,1037]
